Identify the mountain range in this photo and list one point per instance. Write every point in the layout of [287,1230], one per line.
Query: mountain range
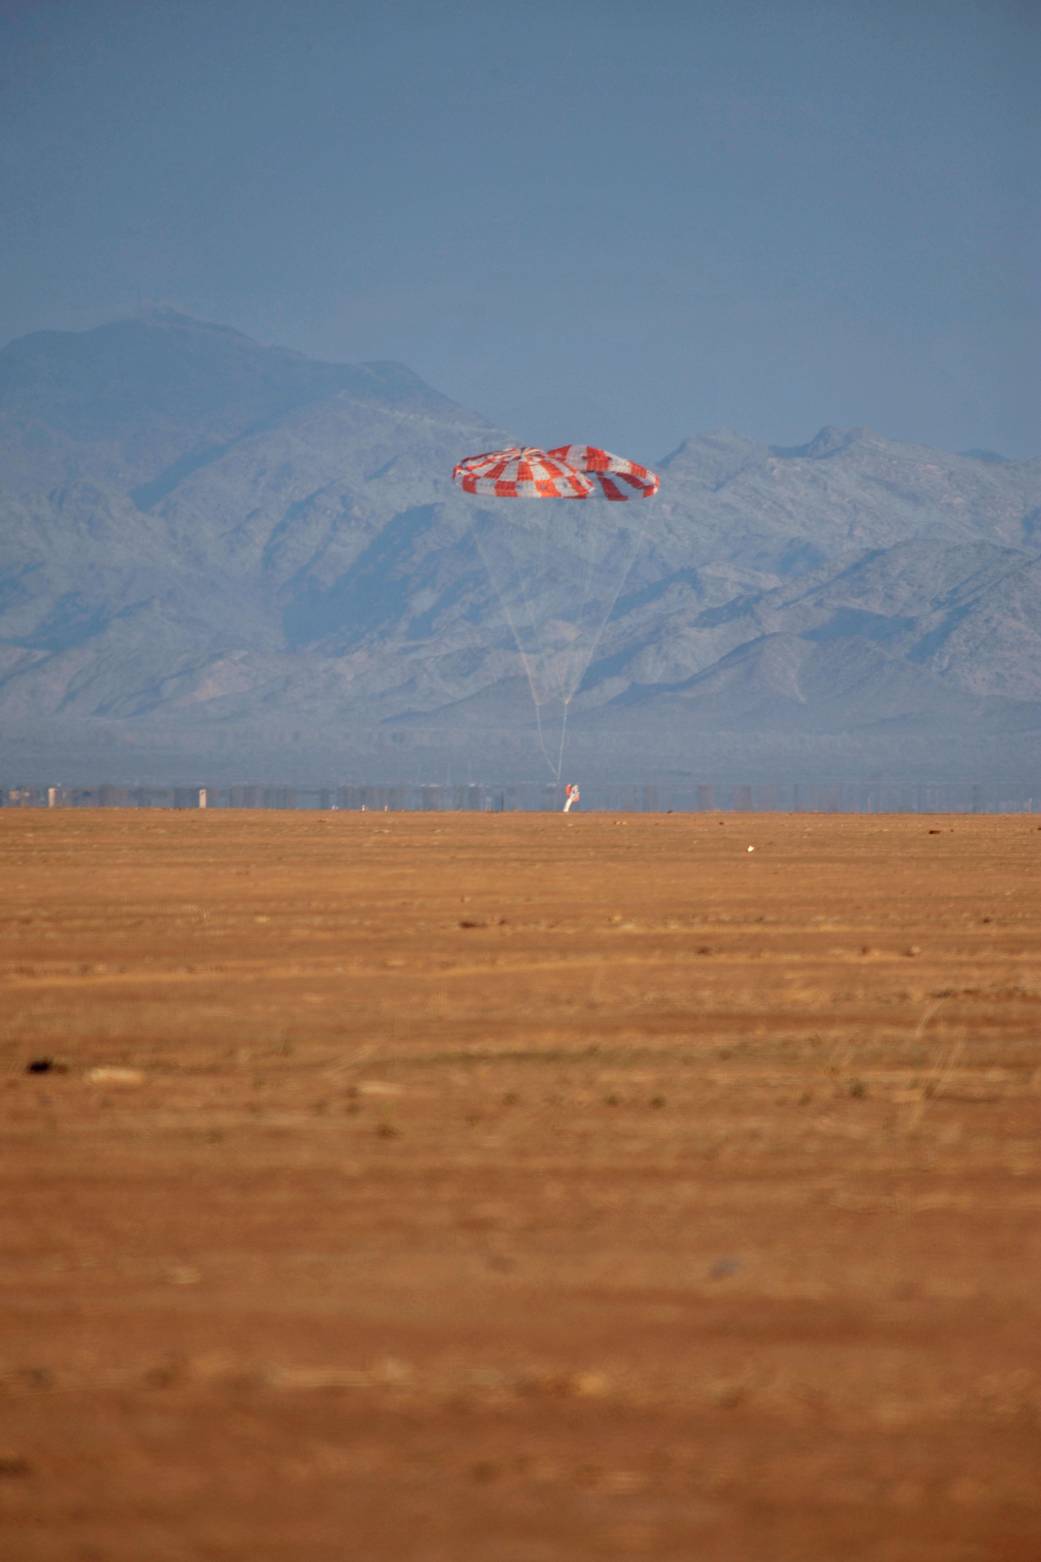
[226,561]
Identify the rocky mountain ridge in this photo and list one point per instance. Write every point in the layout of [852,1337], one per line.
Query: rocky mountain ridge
[224,558]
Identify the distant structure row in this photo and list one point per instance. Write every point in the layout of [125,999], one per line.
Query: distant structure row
[666,797]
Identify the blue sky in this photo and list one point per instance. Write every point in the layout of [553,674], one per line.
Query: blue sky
[605,221]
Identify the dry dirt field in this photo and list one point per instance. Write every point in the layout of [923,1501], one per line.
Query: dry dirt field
[447,1188]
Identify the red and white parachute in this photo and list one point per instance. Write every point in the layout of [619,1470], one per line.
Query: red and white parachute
[557,585]
[616,476]
[566,472]
[520,473]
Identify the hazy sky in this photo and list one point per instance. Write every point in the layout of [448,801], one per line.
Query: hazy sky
[622,221]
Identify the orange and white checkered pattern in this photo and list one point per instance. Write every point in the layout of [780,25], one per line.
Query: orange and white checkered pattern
[566,472]
[521,474]
[617,477]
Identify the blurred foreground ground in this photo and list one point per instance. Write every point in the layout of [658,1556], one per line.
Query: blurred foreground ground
[520,1188]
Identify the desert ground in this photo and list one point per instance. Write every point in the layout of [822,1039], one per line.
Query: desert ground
[519,1188]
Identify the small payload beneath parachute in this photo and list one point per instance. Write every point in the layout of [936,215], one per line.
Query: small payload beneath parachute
[566,472]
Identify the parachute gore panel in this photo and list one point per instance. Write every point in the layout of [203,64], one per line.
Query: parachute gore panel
[566,472]
[519,473]
[616,476]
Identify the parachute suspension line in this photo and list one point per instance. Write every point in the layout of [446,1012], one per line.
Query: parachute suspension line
[612,604]
[554,770]
[566,472]
[525,661]
[558,668]
[563,740]
[527,585]
[586,597]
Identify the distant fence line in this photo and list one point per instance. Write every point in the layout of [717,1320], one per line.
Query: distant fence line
[665,797]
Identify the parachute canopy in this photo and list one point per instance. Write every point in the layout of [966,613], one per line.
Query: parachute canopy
[616,477]
[567,472]
[557,585]
[521,474]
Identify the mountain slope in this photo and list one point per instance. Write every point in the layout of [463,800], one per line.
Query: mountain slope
[225,552]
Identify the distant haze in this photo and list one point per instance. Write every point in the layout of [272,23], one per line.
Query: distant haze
[588,219]
[231,562]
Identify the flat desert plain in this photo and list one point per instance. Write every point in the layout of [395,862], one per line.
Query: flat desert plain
[520,1188]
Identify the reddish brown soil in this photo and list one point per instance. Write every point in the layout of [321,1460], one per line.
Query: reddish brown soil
[520,1188]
